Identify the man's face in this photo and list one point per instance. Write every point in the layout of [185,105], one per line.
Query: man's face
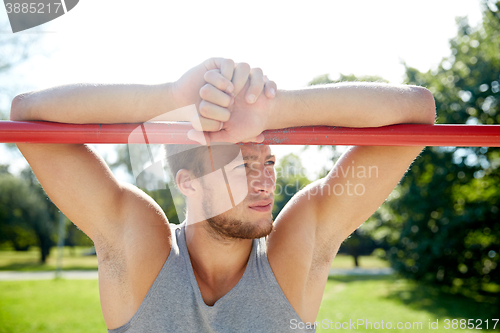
[252,184]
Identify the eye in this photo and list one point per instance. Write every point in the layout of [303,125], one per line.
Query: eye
[239,166]
[272,162]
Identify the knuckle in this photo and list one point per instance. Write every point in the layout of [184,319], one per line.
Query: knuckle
[204,109]
[244,66]
[257,81]
[229,62]
[204,124]
[225,103]
[257,70]
[211,125]
[208,75]
[205,91]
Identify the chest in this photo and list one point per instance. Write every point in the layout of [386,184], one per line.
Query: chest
[211,293]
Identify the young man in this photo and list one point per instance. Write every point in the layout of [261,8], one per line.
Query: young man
[217,272]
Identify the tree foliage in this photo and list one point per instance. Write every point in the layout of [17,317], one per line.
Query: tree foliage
[290,178]
[27,217]
[447,219]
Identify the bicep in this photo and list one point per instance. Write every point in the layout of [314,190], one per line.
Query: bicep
[79,183]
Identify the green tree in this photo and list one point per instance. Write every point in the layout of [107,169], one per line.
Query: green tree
[447,219]
[290,178]
[26,214]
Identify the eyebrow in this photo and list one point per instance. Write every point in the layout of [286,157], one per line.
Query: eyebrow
[255,157]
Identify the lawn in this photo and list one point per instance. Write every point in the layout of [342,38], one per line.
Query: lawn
[374,299]
[345,261]
[11,260]
[73,305]
[50,306]
[73,259]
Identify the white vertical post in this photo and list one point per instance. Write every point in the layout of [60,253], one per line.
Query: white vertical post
[60,244]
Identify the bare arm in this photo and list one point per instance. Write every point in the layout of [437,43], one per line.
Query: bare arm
[128,228]
[343,104]
[125,103]
[351,104]
[74,176]
[95,103]
[313,224]
[374,170]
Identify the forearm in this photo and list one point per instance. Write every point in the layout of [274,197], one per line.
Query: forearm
[352,105]
[95,103]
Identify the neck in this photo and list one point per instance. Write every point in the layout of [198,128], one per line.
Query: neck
[216,262]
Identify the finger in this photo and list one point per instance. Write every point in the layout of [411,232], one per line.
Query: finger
[256,85]
[227,68]
[213,95]
[270,88]
[214,112]
[240,76]
[215,78]
[203,124]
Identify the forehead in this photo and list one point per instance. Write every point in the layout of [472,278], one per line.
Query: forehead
[224,154]
[255,150]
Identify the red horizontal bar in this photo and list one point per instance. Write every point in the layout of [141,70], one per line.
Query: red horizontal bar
[176,133]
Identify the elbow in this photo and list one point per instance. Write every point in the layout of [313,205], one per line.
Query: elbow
[18,107]
[425,106]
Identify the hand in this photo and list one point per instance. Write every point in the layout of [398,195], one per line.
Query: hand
[190,88]
[247,121]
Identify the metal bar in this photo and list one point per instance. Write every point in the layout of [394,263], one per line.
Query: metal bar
[176,133]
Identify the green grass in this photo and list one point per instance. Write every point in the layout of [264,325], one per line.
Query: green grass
[73,305]
[50,306]
[346,261]
[73,259]
[387,298]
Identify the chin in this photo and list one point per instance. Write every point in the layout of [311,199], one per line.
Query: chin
[228,227]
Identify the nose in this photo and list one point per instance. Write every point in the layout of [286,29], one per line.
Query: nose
[263,180]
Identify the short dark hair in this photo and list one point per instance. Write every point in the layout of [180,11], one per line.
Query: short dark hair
[196,158]
[189,157]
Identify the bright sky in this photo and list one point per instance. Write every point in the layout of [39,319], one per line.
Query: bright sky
[153,41]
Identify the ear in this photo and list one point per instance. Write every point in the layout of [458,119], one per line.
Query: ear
[187,183]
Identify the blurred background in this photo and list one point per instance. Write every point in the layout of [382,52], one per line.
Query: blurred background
[431,252]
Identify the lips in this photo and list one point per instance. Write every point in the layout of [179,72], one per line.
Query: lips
[262,203]
[262,206]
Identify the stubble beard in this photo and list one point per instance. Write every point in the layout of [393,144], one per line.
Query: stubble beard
[226,227]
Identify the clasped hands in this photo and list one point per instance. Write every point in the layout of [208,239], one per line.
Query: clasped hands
[234,101]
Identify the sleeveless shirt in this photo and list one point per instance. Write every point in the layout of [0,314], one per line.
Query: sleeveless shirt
[174,302]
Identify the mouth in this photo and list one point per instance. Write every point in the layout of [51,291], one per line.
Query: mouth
[262,206]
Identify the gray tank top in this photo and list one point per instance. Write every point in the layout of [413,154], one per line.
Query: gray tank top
[174,302]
